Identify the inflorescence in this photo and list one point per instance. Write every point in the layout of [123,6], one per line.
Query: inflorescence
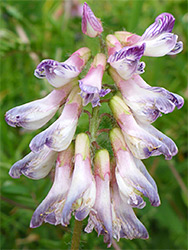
[104,189]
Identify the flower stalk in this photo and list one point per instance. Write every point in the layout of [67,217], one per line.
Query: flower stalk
[76,235]
[94,123]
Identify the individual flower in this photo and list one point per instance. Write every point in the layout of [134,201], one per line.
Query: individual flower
[51,207]
[132,177]
[158,37]
[60,73]
[35,114]
[82,191]
[127,61]
[60,134]
[91,84]
[125,224]
[91,25]
[146,102]
[34,165]
[142,139]
[100,216]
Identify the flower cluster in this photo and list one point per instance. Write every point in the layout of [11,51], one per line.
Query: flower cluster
[94,185]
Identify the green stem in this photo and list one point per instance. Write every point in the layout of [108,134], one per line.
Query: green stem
[102,44]
[94,123]
[76,235]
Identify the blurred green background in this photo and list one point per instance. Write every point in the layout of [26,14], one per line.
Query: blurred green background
[31,31]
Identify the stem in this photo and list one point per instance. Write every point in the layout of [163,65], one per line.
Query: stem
[76,235]
[94,123]
[106,130]
[102,44]
[178,178]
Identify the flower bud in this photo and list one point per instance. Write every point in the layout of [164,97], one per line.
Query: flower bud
[91,25]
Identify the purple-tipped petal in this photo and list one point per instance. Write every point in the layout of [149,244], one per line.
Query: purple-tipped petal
[82,191]
[132,177]
[141,142]
[125,223]
[57,137]
[146,102]
[34,165]
[131,53]
[126,61]
[128,175]
[158,37]
[161,45]
[58,74]
[161,137]
[51,207]
[91,84]
[34,115]
[60,134]
[177,48]
[92,94]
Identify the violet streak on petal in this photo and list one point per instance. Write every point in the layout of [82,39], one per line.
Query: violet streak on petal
[146,102]
[57,74]
[126,61]
[91,26]
[60,73]
[177,49]
[159,39]
[163,23]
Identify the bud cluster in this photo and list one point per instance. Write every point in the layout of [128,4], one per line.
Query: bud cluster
[104,189]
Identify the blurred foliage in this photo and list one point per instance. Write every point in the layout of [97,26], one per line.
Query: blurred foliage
[33,30]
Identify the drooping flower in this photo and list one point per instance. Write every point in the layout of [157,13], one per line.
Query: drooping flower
[60,134]
[142,139]
[60,73]
[158,37]
[100,216]
[132,177]
[91,84]
[50,209]
[125,224]
[35,114]
[146,102]
[91,25]
[82,191]
[34,165]
[127,61]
